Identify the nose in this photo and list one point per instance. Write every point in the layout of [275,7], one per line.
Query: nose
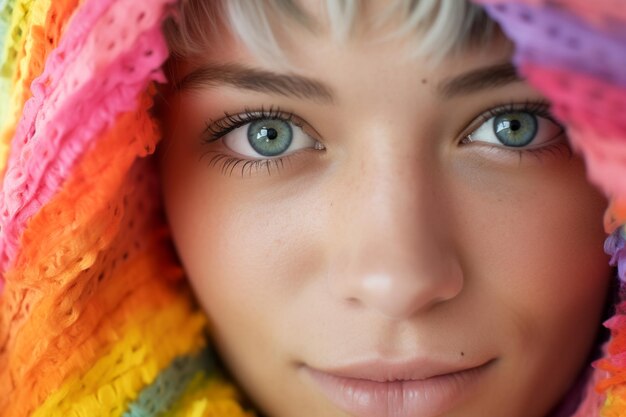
[394,250]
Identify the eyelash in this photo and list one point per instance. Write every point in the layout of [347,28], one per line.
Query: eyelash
[220,128]
[539,108]
[216,130]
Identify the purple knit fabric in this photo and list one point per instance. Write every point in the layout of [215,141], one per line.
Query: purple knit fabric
[555,38]
[614,246]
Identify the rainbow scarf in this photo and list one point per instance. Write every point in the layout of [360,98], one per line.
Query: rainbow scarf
[95,318]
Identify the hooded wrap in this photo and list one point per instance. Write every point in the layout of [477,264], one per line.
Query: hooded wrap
[95,316]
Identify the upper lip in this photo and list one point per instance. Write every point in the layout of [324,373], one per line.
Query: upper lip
[407,370]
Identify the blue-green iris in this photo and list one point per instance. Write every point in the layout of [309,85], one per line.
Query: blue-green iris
[270,137]
[515,129]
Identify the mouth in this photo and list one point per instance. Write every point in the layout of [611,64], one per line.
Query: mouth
[378,389]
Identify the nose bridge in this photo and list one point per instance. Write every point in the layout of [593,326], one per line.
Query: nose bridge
[393,254]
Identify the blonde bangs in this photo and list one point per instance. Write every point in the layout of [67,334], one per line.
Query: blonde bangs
[440,27]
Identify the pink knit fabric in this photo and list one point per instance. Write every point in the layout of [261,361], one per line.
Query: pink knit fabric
[80,71]
[594,111]
[604,13]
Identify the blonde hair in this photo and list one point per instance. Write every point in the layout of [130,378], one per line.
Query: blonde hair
[442,26]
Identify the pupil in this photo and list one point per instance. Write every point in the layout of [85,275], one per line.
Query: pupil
[269,133]
[515,125]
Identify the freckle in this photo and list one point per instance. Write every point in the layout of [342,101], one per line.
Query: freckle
[424,80]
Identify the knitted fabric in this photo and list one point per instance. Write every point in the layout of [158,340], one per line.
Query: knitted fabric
[574,51]
[95,318]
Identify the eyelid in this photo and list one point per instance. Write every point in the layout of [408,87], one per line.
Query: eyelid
[539,108]
[215,130]
[235,153]
[237,141]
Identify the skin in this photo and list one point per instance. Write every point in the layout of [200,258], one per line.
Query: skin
[397,240]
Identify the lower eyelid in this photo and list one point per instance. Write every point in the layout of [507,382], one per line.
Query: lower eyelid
[555,150]
[230,164]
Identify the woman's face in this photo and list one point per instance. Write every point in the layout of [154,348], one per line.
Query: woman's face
[376,236]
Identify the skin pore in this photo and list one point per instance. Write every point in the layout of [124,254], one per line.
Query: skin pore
[396,227]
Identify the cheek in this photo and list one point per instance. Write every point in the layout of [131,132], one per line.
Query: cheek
[533,246]
[243,245]
[539,232]
[249,257]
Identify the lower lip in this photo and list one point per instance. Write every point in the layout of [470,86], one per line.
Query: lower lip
[425,398]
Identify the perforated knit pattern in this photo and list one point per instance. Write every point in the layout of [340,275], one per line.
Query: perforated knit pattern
[87,71]
[94,317]
[574,51]
[607,15]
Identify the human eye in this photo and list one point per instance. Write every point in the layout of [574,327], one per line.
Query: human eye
[258,139]
[520,128]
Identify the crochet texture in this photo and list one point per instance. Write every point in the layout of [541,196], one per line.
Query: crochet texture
[95,318]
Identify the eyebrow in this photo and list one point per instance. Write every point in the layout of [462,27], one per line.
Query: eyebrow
[480,79]
[292,85]
[252,79]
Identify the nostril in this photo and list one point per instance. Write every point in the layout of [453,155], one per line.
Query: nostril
[396,295]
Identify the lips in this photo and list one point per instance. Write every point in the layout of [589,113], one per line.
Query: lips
[380,389]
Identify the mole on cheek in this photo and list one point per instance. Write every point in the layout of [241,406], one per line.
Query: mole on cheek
[424,81]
